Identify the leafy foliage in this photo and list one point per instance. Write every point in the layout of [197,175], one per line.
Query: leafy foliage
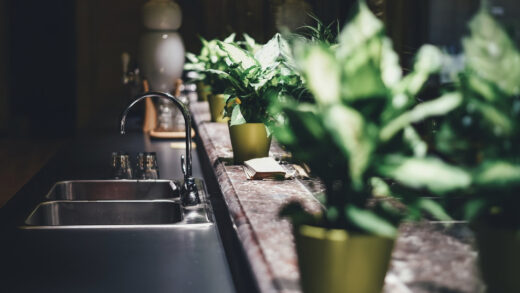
[211,57]
[319,32]
[482,134]
[358,128]
[252,80]
[249,44]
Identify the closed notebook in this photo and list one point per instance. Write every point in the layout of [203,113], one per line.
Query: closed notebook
[264,168]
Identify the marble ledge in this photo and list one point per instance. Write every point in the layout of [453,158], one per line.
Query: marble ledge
[427,257]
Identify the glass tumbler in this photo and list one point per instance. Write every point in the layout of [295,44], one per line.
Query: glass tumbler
[121,167]
[146,167]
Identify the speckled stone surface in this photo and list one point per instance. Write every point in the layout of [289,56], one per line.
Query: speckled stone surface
[428,257]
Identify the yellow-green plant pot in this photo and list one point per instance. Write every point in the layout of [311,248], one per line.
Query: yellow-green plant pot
[216,107]
[499,258]
[334,261]
[249,141]
[203,91]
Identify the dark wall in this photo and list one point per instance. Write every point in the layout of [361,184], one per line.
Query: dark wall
[61,59]
[4,112]
[107,28]
[259,18]
[42,67]
[443,23]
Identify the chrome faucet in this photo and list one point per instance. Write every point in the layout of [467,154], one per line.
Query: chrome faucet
[189,191]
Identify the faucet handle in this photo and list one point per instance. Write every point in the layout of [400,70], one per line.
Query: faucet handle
[183,165]
[189,192]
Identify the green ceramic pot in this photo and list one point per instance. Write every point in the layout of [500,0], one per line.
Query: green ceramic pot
[249,141]
[216,107]
[203,90]
[337,261]
[499,257]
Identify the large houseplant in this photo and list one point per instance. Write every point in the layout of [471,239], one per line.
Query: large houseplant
[209,88]
[252,80]
[482,135]
[355,133]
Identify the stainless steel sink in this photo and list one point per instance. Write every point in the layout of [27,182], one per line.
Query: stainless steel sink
[117,204]
[113,190]
[79,213]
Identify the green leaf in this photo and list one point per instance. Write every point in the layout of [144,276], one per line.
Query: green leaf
[428,61]
[412,138]
[237,55]
[236,117]
[362,76]
[498,173]
[429,173]
[492,55]
[198,67]
[230,39]
[224,76]
[390,68]
[322,74]
[269,130]
[359,30]
[379,187]
[303,133]
[192,57]
[437,107]
[350,134]
[308,122]
[369,64]
[277,48]
[370,222]
[251,44]
[284,135]
[433,208]
[501,123]
[474,207]
[487,90]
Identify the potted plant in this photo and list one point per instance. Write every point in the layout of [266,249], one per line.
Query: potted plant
[482,135]
[252,80]
[210,89]
[355,136]
[319,32]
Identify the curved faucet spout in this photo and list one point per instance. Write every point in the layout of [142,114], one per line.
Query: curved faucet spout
[189,194]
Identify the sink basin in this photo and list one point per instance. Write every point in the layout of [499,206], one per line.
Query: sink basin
[78,213]
[113,190]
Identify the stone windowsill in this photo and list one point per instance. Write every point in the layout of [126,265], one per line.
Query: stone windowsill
[427,257]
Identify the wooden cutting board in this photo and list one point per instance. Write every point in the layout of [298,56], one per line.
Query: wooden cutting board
[170,134]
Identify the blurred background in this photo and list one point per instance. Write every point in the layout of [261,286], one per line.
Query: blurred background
[60,60]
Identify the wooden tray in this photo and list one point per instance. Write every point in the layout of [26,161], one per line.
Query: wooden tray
[168,134]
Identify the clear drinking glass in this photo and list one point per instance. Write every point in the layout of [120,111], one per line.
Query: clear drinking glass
[146,167]
[121,167]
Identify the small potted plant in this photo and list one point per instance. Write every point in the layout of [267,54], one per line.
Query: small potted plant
[355,136]
[252,80]
[482,135]
[319,32]
[208,88]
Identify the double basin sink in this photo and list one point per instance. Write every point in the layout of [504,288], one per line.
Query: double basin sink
[115,203]
[118,236]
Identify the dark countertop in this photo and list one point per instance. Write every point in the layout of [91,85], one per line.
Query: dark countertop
[428,256]
[118,260]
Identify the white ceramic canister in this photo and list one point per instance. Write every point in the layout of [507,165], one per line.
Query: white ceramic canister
[161,50]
